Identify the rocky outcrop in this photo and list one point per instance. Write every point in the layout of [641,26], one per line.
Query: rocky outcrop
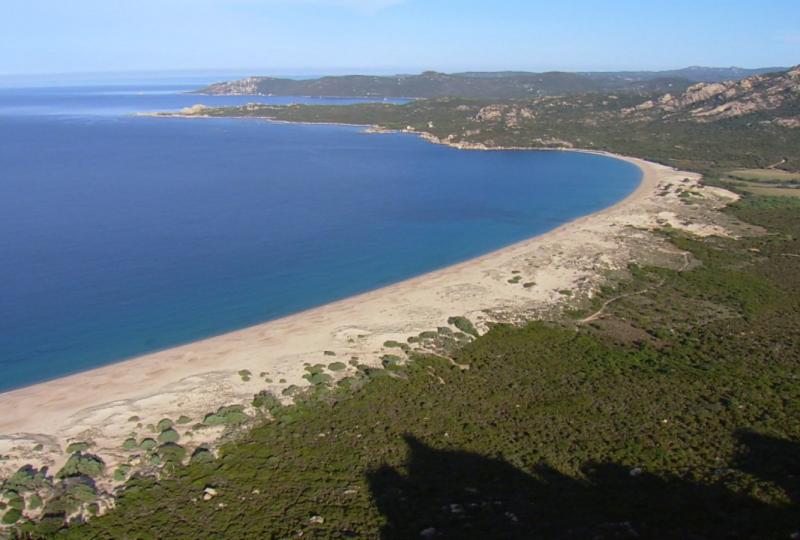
[708,102]
[511,115]
[242,87]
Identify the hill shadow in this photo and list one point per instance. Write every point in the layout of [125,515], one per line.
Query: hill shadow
[453,494]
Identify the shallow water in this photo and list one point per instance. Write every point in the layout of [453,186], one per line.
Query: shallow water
[121,235]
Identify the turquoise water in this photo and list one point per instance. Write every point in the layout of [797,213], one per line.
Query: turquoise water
[121,235]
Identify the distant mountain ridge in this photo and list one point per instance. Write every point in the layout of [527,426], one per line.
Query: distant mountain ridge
[693,74]
[477,85]
[773,96]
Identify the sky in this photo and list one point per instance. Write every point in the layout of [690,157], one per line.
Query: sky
[393,36]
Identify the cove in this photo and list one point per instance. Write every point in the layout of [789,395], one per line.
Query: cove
[123,235]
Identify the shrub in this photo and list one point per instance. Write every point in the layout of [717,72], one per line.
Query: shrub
[82,465]
[346,382]
[25,479]
[15,500]
[463,324]
[229,414]
[168,436]
[129,445]
[318,378]
[164,424]
[77,447]
[12,516]
[390,361]
[202,455]
[337,366]
[81,492]
[313,370]
[184,420]
[171,452]
[330,353]
[122,472]
[265,400]
[148,444]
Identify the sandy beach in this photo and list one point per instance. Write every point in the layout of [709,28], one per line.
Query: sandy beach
[96,406]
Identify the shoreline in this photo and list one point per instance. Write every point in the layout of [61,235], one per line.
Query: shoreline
[310,310]
[641,187]
[196,378]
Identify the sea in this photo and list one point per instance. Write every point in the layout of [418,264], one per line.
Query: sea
[122,235]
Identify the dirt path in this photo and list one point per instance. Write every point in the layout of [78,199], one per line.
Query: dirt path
[600,312]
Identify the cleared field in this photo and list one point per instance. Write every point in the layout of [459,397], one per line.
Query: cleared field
[771,191]
[765,175]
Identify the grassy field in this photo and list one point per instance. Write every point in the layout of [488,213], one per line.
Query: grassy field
[765,182]
[676,415]
[765,175]
[768,191]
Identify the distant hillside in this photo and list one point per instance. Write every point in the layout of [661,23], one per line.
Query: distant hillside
[432,84]
[475,85]
[693,74]
[753,122]
[773,97]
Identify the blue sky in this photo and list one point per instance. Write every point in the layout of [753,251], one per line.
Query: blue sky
[318,36]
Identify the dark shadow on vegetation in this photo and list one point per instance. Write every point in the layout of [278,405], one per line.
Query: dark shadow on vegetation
[453,494]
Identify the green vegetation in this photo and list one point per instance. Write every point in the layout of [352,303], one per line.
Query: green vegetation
[169,452]
[168,436]
[121,473]
[80,464]
[226,415]
[765,175]
[600,120]
[130,445]
[677,414]
[463,324]
[35,502]
[148,444]
[674,414]
[12,516]
[77,447]
[504,84]
[764,182]
[392,344]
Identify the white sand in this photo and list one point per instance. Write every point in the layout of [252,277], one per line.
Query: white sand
[197,378]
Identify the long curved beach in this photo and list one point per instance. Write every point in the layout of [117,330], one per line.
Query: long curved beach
[196,378]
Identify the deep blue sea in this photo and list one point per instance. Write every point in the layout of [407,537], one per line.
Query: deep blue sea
[121,235]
